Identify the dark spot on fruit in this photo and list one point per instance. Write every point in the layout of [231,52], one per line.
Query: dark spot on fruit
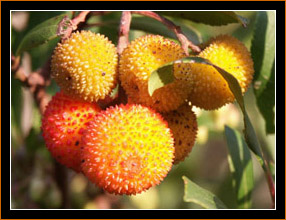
[103,73]
[83,161]
[180,142]
[76,143]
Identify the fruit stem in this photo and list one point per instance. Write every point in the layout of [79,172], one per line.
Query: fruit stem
[80,18]
[186,43]
[124,28]
[72,24]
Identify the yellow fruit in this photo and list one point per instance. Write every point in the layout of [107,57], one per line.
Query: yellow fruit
[127,149]
[143,56]
[85,66]
[183,124]
[209,90]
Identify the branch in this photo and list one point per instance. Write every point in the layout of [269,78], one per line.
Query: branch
[80,18]
[123,31]
[72,24]
[34,81]
[186,43]
[270,182]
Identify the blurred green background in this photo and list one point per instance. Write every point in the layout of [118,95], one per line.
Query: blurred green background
[35,182]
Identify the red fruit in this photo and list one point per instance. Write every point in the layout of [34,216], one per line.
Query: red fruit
[127,149]
[63,124]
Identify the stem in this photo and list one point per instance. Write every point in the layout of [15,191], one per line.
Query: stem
[186,43]
[35,81]
[124,28]
[270,182]
[72,24]
[80,18]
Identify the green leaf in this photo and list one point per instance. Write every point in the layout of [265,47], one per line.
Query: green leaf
[164,74]
[249,133]
[215,18]
[44,32]
[160,77]
[196,194]
[241,167]
[263,53]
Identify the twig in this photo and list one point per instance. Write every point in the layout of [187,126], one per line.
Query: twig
[270,182]
[35,81]
[186,43]
[124,28]
[96,13]
[80,18]
[65,29]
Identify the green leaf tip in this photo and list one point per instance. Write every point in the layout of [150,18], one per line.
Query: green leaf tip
[196,194]
[160,77]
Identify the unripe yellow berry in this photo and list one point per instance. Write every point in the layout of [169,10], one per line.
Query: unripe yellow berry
[143,56]
[183,124]
[208,89]
[85,66]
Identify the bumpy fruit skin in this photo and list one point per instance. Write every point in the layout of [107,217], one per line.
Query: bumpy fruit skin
[85,66]
[142,56]
[127,149]
[63,124]
[183,124]
[209,89]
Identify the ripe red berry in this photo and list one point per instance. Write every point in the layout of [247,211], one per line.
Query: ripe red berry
[63,124]
[127,149]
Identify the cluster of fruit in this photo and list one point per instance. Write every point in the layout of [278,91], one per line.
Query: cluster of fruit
[127,148]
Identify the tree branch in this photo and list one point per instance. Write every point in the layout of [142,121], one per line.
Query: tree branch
[270,182]
[35,81]
[72,24]
[186,43]
[124,28]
